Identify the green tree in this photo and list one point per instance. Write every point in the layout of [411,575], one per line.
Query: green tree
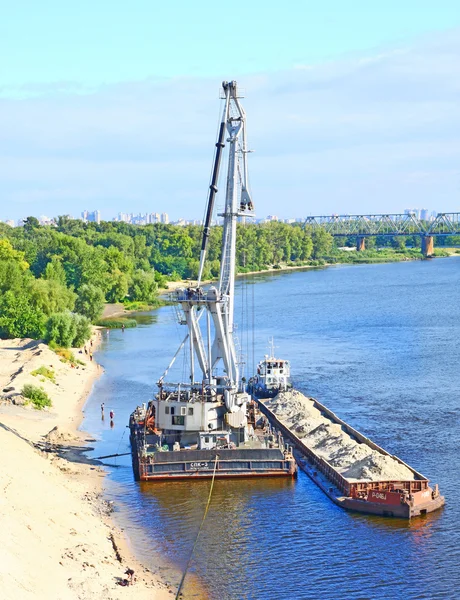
[30,224]
[119,286]
[322,243]
[90,301]
[143,287]
[398,242]
[49,296]
[55,271]
[7,252]
[82,330]
[61,329]
[12,277]
[18,318]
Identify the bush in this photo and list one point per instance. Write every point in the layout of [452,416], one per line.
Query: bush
[36,395]
[67,329]
[45,372]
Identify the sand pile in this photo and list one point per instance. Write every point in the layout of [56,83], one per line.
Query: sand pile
[59,435]
[352,459]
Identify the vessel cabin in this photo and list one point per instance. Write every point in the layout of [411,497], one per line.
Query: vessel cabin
[191,415]
[274,373]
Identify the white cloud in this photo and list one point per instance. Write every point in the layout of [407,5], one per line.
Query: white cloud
[367,133]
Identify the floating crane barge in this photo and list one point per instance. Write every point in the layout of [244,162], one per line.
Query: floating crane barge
[389,498]
[205,424]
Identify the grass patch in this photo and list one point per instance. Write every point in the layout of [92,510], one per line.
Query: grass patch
[66,355]
[117,323]
[36,395]
[136,306]
[45,372]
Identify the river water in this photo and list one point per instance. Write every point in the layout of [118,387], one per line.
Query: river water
[380,346]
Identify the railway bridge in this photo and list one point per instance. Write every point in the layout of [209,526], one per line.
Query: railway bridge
[363,226]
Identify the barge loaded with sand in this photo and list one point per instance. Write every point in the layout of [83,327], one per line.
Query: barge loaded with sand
[205,425]
[351,470]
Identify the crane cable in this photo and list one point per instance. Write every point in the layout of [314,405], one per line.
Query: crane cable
[199,530]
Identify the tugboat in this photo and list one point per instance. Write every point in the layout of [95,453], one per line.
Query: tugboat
[273,376]
[207,425]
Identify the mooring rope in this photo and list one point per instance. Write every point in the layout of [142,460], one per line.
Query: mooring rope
[199,531]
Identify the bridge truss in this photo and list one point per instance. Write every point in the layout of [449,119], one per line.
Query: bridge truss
[388,225]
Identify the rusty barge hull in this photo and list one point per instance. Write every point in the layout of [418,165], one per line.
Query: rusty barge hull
[200,464]
[401,499]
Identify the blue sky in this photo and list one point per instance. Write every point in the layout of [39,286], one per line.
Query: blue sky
[352,106]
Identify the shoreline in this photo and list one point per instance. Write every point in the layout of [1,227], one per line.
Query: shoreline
[60,540]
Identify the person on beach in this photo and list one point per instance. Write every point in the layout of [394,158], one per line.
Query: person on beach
[91,343]
[112,414]
[91,356]
[86,351]
[102,408]
[130,573]
[123,328]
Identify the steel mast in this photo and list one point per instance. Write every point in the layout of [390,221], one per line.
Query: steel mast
[219,300]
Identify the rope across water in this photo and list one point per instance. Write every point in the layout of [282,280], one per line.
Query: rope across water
[199,530]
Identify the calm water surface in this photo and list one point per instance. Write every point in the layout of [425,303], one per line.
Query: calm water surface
[379,345]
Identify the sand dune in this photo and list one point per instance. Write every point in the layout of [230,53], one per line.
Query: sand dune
[57,540]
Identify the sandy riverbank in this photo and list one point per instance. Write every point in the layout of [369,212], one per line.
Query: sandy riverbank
[58,541]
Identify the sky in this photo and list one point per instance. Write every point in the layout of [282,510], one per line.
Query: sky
[352,107]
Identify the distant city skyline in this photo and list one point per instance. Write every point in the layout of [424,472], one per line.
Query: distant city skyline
[155,217]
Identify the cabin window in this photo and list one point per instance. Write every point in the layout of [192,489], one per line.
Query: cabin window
[178,420]
[206,440]
[166,410]
[183,410]
[190,411]
[269,371]
[173,410]
[281,371]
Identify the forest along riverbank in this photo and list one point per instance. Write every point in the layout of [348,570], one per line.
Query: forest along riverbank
[58,540]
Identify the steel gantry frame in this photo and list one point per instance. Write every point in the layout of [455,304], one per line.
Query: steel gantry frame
[389,225]
[363,226]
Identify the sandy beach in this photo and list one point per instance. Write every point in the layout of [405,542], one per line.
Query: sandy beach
[58,541]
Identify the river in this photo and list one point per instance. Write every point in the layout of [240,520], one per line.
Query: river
[380,346]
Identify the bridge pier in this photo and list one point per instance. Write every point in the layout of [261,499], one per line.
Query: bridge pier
[360,243]
[427,245]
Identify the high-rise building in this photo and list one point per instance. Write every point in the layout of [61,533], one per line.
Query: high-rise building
[93,217]
[154,218]
[165,218]
[412,211]
[424,214]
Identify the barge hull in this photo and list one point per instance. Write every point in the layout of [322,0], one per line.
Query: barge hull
[381,498]
[200,464]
